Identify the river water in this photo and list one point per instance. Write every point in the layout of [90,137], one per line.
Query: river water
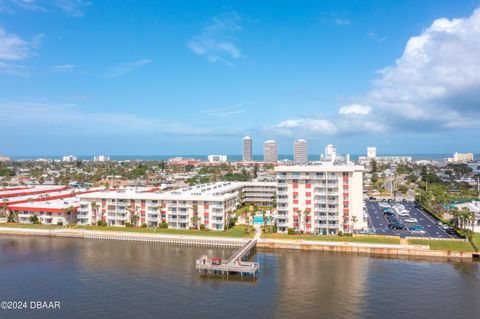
[108,279]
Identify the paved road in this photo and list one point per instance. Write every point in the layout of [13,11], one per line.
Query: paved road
[379,223]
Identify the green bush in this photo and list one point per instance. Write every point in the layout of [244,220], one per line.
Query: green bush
[340,233]
[34,219]
[128,224]
[60,223]
[163,225]
[101,223]
[291,231]
[144,225]
[202,226]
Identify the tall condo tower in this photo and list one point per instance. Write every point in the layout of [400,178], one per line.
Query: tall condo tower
[300,152]
[270,153]
[247,149]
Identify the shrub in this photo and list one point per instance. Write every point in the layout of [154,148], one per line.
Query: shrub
[101,223]
[163,225]
[202,226]
[60,223]
[340,233]
[128,224]
[34,219]
[274,229]
[291,231]
[144,225]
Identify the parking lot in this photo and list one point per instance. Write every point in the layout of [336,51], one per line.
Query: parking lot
[379,223]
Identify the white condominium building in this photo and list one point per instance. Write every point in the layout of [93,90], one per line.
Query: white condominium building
[461,157]
[217,158]
[247,149]
[270,151]
[320,199]
[205,204]
[69,158]
[101,158]
[371,152]
[300,152]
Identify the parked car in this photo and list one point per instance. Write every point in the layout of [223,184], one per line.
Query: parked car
[403,213]
[445,226]
[411,220]
[416,227]
[397,225]
[417,232]
[451,231]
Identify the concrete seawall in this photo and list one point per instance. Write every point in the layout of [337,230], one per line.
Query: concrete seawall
[392,250]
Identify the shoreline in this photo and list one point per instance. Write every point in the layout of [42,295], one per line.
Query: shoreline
[391,250]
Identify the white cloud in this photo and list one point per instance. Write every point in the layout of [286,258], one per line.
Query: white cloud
[64,67]
[304,127]
[123,69]
[215,42]
[12,47]
[227,111]
[436,82]
[73,7]
[355,109]
[374,36]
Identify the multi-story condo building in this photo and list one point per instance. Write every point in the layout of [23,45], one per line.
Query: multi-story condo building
[101,158]
[371,152]
[300,152]
[49,212]
[247,149]
[206,204]
[5,158]
[461,157]
[69,158]
[270,153]
[322,199]
[217,158]
[259,193]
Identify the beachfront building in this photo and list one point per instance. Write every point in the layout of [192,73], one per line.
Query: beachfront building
[322,198]
[49,212]
[189,207]
[461,157]
[5,158]
[101,158]
[270,151]
[371,152]
[247,149]
[389,160]
[69,158]
[217,158]
[300,151]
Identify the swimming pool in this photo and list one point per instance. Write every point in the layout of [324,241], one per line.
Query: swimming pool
[259,219]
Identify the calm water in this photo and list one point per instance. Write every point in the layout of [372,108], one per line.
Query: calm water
[100,279]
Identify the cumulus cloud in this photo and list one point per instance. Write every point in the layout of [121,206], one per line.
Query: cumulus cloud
[436,82]
[215,42]
[356,109]
[12,47]
[71,7]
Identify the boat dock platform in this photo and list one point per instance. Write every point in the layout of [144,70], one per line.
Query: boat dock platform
[236,264]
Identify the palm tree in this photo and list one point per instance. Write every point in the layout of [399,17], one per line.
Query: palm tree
[306,214]
[195,220]
[299,220]
[5,206]
[228,214]
[456,215]
[94,207]
[264,216]
[134,219]
[354,220]
[467,215]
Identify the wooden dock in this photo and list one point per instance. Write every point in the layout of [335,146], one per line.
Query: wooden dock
[236,264]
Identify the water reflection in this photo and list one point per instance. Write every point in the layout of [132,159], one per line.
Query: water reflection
[130,280]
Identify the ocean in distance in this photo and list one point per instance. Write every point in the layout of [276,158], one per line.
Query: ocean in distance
[231,157]
[114,279]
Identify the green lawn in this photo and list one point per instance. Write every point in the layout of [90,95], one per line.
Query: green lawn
[35,226]
[451,245]
[356,239]
[237,231]
[476,240]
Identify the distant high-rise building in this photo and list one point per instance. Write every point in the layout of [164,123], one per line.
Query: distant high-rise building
[101,158]
[270,153]
[5,158]
[371,152]
[330,152]
[247,149]
[300,151]
[69,158]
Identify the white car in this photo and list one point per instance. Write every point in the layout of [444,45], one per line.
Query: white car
[403,213]
[411,220]
[417,232]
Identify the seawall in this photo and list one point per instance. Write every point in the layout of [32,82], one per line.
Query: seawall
[391,250]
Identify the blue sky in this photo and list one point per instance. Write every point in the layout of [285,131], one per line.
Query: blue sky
[193,77]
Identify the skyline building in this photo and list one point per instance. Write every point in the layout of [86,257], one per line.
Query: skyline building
[270,151]
[300,151]
[247,149]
